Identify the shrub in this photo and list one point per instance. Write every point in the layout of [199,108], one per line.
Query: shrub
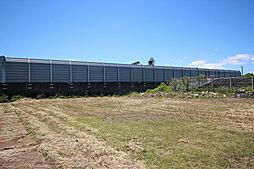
[248,75]
[163,87]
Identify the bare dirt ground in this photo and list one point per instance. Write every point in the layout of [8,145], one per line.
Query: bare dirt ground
[17,148]
[36,134]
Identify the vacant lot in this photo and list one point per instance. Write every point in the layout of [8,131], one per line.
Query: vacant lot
[127,132]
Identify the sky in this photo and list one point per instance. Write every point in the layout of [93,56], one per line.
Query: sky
[192,33]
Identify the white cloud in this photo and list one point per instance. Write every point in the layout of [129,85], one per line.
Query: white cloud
[237,59]
[197,63]
[252,59]
[203,64]
[232,60]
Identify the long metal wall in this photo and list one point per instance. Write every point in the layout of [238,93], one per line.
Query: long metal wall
[25,70]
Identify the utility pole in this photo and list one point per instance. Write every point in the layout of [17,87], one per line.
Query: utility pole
[242,70]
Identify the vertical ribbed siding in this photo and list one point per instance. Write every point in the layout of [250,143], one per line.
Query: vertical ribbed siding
[207,73]
[194,72]
[233,74]
[148,74]
[39,72]
[137,74]
[178,73]
[79,73]
[124,73]
[238,74]
[186,72]
[60,72]
[111,73]
[221,73]
[216,73]
[202,72]
[159,74]
[1,72]
[227,73]
[16,72]
[212,73]
[169,73]
[96,72]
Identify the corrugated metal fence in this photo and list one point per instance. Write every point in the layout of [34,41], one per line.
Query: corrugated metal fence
[26,70]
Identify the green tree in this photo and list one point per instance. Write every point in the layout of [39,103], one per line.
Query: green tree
[248,75]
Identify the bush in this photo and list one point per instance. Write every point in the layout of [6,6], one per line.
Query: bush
[163,87]
[248,75]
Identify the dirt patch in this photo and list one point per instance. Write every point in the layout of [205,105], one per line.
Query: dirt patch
[17,148]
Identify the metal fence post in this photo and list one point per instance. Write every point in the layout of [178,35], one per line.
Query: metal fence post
[143,74]
[117,73]
[153,74]
[70,72]
[131,74]
[3,69]
[51,71]
[29,70]
[230,84]
[212,84]
[104,73]
[88,78]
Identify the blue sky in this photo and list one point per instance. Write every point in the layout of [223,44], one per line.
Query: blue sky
[197,33]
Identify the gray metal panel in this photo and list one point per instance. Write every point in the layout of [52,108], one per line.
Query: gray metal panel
[148,74]
[227,73]
[16,72]
[124,73]
[194,72]
[79,73]
[169,73]
[111,73]
[178,73]
[60,72]
[186,72]
[216,73]
[96,72]
[1,67]
[159,74]
[206,72]
[40,72]
[137,74]
[221,73]
[233,73]
[212,73]
[238,74]
[202,72]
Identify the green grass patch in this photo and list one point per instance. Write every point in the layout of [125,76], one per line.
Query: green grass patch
[172,143]
[163,87]
[5,98]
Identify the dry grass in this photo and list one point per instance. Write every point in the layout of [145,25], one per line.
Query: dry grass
[127,132]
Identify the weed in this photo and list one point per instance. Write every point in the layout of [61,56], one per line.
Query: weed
[4,98]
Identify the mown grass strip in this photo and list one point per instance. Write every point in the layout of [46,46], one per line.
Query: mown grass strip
[172,143]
